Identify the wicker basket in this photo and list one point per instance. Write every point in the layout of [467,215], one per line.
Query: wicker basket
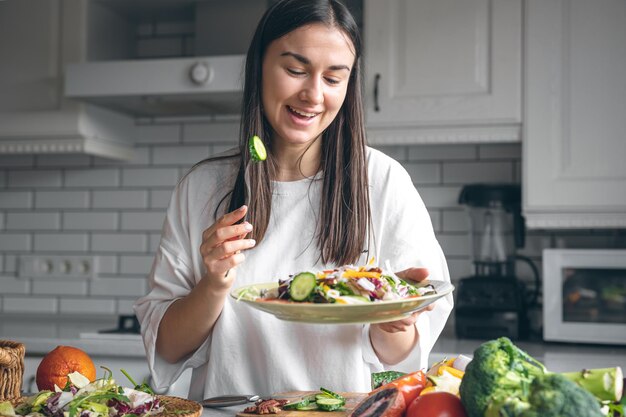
[11,369]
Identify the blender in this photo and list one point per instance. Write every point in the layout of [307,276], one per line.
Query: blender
[493,301]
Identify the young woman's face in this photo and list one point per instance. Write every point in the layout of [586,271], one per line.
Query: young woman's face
[305,78]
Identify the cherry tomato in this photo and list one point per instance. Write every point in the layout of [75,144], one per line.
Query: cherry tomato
[409,385]
[436,404]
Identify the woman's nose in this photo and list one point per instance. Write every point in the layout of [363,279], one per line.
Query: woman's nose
[313,91]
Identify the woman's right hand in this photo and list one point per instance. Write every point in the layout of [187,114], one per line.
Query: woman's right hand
[222,246]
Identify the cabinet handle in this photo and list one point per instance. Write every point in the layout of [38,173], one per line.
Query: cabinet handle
[376,82]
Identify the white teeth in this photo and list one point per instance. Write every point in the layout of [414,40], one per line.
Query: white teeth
[301,113]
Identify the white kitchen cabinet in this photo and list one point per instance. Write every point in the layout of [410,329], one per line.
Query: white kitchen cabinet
[443,70]
[37,39]
[574,145]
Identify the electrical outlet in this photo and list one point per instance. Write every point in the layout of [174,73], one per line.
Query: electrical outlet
[58,266]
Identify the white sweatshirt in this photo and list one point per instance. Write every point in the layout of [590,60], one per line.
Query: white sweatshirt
[253,352]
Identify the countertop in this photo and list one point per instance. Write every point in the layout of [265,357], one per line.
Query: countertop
[41,334]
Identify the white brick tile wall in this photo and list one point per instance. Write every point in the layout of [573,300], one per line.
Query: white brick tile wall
[155,239]
[1,221]
[86,305]
[169,155]
[118,242]
[31,304]
[15,199]
[459,268]
[94,177]
[136,264]
[399,153]
[435,219]
[34,179]
[455,221]
[440,197]
[61,199]
[149,177]
[12,285]
[107,265]
[217,148]
[470,172]
[141,156]
[211,132]
[59,287]
[10,262]
[122,287]
[454,245]
[33,221]
[160,199]
[94,220]
[1,261]
[442,152]
[7,161]
[125,306]
[144,220]
[500,151]
[150,134]
[123,199]
[62,160]
[61,242]
[424,173]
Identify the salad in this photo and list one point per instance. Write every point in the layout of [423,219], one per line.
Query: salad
[81,398]
[347,284]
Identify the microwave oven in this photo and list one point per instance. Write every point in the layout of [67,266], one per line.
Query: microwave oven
[584,295]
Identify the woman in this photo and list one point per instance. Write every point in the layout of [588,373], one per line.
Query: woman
[321,199]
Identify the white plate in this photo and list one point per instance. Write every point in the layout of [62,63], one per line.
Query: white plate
[375,312]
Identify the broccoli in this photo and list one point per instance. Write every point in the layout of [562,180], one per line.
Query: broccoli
[554,395]
[500,381]
[499,370]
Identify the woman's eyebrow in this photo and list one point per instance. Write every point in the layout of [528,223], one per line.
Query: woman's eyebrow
[304,60]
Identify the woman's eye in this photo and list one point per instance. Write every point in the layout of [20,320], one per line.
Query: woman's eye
[332,81]
[295,71]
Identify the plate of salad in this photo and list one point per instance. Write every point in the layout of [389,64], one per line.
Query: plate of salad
[348,294]
[100,398]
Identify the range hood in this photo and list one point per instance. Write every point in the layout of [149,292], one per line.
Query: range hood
[160,87]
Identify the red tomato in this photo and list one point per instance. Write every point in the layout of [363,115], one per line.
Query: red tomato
[409,385]
[436,404]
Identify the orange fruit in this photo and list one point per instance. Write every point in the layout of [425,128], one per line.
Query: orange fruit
[61,361]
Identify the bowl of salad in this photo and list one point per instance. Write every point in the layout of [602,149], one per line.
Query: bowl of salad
[100,398]
[348,294]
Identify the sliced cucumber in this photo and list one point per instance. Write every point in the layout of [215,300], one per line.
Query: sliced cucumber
[308,407]
[329,404]
[257,149]
[302,286]
[332,394]
[296,404]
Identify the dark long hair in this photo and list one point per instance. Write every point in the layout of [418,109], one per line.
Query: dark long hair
[345,211]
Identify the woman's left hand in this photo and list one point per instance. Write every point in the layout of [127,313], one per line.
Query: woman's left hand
[413,274]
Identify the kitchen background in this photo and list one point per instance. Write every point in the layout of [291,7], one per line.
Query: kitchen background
[80,223]
[75,205]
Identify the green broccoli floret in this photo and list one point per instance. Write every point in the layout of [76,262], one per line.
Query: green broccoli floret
[555,396]
[499,370]
[504,381]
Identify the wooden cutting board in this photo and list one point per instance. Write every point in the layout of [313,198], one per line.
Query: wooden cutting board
[352,399]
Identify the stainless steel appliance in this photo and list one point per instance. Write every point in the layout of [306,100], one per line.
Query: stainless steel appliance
[584,295]
[493,302]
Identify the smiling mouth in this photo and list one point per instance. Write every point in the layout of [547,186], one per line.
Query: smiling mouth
[302,113]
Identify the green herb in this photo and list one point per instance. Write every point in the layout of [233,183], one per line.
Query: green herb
[139,387]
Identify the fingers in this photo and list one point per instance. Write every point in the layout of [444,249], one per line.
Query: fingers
[404,324]
[223,243]
[414,274]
